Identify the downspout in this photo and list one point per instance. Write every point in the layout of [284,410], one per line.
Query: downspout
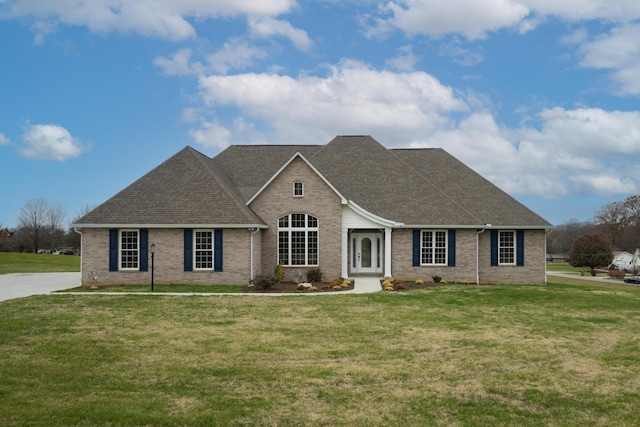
[79,231]
[545,254]
[478,255]
[253,232]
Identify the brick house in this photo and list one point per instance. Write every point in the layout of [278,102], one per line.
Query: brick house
[351,207]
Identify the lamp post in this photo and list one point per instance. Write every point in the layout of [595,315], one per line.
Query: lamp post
[153,253]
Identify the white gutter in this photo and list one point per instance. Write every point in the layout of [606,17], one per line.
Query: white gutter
[251,226]
[79,231]
[253,232]
[478,255]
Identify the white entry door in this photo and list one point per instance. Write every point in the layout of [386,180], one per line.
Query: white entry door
[367,253]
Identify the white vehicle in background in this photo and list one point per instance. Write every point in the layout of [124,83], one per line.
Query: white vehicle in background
[626,262]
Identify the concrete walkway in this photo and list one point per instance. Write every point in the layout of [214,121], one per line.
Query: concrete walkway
[363,285]
[588,278]
[22,285]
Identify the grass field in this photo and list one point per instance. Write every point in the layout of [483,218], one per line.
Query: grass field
[446,356]
[11,262]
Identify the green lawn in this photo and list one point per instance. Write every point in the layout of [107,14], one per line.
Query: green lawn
[11,262]
[564,267]
[446,356]
[204,289]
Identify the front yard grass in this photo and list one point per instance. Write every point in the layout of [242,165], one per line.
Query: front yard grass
[177,288]
[11,262]
[444,356]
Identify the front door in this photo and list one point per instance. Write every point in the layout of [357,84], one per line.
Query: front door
[366,256]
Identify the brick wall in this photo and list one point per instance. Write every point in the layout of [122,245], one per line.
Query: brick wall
[402,261]
[533,271]
[319,200]
[169,260]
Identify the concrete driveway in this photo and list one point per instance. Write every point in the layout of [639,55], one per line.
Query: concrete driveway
[20,285]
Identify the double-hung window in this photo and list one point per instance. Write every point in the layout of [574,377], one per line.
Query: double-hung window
[203,249]
[298,189]
[507,248]
[433,247]
[129,250]
[298,240]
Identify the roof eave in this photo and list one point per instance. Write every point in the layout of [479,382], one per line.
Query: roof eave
[480,226]
[115,225]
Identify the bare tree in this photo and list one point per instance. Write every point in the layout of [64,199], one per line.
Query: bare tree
[33,218]
[622,220]
[55,219]
[38,217]
[73,238]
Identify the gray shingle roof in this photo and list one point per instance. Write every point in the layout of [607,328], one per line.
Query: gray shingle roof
[487,202]
[370,175]
[416,187]
[185,189]
[249,167]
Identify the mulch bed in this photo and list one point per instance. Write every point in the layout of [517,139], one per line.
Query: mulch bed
[292,287]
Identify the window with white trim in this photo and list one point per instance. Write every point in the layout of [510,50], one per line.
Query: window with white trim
[298,189]
[203,249]
[507,247]
[129,247]
[433,247]
[298,240]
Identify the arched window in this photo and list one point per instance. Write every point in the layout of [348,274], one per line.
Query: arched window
[298,240]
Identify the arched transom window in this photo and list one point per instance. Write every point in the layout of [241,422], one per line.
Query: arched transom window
[298,239]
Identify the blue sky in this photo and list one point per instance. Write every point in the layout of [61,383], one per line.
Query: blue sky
[539,96]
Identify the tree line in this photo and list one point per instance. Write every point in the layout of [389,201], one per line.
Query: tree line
[618,223]
[41,227]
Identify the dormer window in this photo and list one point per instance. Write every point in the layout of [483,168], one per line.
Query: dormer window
[298,189]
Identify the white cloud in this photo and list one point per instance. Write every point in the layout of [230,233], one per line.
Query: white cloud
[583,151]
[550,157]
[405,60]
[351,98]
[50,142]
[4,140]
[213,134]
[438,18]
[593,130]
[265,27]
[235,54]
[604,184]
[435,18]
[581,10]
[167,19]
[179,64]
[459,54]
[618,51]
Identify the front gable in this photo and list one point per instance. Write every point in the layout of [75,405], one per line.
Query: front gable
[278,198]
[295,182]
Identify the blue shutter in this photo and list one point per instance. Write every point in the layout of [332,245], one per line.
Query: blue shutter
[451,262]
[416,248]
[113,249]
[520,248]
[217,250]
[144,249]
[188,249]
[494,247]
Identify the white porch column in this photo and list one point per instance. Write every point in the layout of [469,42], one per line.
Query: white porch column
[345,252]
[387,251]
